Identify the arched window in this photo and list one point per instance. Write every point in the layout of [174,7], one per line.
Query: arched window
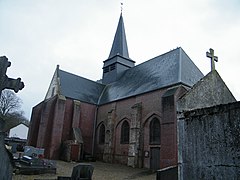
[102,134]
[125,133]
[155,131]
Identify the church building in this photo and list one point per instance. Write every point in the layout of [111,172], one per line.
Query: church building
[129,117]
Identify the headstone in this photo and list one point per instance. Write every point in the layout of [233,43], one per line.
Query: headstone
[168,173]
[6,168]
[82,171]
[30,165]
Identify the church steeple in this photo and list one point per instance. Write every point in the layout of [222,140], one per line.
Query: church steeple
[118,60]
[119,46]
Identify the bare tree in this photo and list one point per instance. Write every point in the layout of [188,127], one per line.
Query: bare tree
[10,110]
[9,103]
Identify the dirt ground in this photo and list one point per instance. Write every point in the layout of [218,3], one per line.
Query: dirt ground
[102,171]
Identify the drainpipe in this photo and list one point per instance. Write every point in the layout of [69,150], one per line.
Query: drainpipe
[94,130]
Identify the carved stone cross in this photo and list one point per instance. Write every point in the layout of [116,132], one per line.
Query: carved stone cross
[5,82]
[8,83]
[6,169]
[210,54]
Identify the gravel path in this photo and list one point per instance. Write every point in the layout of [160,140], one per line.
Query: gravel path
[102,171]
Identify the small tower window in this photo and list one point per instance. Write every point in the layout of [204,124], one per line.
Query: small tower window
[106,69]
[112,67]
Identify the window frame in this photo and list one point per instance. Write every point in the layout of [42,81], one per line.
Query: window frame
[155,132]
[125,132]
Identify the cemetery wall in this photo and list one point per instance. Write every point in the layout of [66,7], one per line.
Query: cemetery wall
[209,143]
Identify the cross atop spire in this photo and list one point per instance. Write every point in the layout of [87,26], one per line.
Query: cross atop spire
[210,54]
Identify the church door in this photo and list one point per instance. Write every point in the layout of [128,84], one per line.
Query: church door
[75,152]
[155,158]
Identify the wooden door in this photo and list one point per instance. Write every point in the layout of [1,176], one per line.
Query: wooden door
[75,152]
[155,158]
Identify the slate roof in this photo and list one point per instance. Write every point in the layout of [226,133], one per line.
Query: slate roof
[79,88]
[119,46]
[169,69]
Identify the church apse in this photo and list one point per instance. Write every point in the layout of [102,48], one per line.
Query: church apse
[53,121]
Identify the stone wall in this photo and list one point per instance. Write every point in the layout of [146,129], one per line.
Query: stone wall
[209,143]
[209,91]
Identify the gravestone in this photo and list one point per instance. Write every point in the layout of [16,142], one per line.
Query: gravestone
[82,171]
[6,168]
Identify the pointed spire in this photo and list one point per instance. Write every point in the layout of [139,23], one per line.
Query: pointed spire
[118,60]
[119,46]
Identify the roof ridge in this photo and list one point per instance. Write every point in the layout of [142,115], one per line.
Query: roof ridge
[180,65]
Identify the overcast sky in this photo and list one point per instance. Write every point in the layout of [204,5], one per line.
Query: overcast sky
[76,34]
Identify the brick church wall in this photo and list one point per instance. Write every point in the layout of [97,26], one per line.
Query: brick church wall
[55,116]
[101,119]
[168,132]
[123,112]
[57,128]
[45,125]
[151,106]
[66,132]
[34,125]
[86,124]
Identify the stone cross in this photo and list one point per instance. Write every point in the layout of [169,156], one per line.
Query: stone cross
[210,54]
[8,83]
[6,169]
[5,82]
